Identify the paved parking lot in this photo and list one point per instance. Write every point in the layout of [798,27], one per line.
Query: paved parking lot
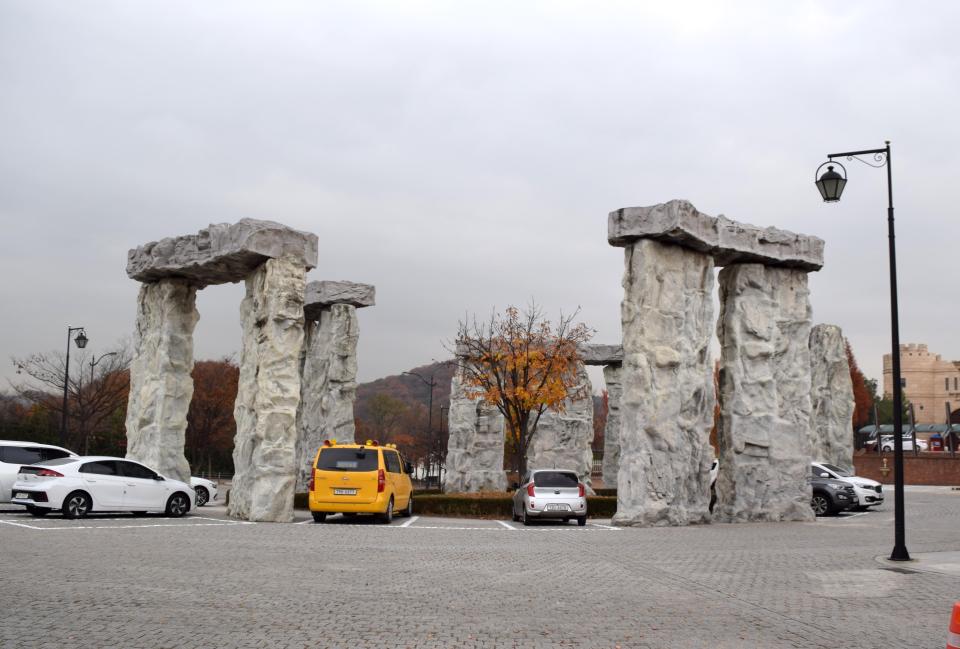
[206,581]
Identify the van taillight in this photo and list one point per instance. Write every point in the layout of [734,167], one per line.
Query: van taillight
[381,481]
[530,490]
[583,490]
[49,473]
[310,485]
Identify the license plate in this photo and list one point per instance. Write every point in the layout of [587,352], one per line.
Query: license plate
[22,494]
[557,508]
[344,492]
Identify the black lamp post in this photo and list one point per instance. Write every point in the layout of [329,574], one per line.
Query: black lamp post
[81,341]
[831,184]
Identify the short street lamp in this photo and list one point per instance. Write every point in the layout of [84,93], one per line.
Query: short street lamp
[831,185]
[81,341]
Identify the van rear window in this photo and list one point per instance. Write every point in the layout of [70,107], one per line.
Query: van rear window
[347,459]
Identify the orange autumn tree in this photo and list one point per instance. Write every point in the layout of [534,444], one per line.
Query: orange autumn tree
[523,365]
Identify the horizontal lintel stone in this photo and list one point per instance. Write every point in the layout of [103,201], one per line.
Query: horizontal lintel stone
[326,293]
[593,354]
[728,242]
[221,253]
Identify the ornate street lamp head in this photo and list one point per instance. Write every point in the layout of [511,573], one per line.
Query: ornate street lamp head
[831,183]
[81,339]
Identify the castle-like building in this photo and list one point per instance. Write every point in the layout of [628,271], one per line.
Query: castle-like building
[929,382]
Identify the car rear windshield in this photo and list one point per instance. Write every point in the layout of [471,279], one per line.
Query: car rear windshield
[555,479]
[347,459]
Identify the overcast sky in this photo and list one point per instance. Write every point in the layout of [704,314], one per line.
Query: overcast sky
[464,156]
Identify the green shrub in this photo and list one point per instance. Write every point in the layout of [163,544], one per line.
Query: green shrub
[606,492]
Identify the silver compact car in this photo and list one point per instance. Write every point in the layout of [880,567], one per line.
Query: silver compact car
[550,493]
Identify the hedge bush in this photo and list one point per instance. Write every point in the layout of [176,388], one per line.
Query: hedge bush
[487,505]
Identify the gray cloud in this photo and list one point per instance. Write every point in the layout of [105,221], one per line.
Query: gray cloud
[463,156]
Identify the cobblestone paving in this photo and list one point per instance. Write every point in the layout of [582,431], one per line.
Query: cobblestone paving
[204,581]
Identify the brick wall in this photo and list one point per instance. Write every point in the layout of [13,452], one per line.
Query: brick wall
[925,469]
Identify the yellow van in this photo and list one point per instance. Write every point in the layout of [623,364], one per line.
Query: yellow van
[360,479]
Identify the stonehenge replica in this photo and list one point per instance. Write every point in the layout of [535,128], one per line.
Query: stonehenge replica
[667,403]
[610,358]
[831,397]
[297,362]
[328,367]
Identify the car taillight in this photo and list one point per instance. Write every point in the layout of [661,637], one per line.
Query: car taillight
[381,481]
[583,490]
[530,490]
[49,473]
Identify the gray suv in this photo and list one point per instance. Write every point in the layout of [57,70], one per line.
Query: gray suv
[550,493]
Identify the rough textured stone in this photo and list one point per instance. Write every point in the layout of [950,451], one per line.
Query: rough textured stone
[160,383]
[728,242]
[764,431]
[475,446]
[328,384]
[668,396]
[268,397]
[322,294]
[563,439]
[613,378]
[221,253]
[592,354]
[831,397]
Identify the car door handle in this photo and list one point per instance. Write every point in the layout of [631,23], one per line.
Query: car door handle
[131,484]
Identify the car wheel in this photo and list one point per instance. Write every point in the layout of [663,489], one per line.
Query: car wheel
[203,496]
[76,505]
[820,505]
[39,512]
[388,515]
[319,517]
[408,512]
[514,515]
[581,521]
[177,505]
[524,518]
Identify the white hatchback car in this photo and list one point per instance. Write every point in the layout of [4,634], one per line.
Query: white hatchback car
[206,490]
[869,492]
[13,455]
[79,485]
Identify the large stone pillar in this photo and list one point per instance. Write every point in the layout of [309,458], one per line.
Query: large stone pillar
[667,406]
[613,378]
[764,331]
[264,454]
[328,368]
[563,439]
[161,386]
[831,397]
[475,444]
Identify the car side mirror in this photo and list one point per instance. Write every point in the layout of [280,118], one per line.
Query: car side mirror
[408,467]
[159,478]
[824,475]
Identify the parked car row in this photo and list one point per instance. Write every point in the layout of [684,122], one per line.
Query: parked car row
[47,478]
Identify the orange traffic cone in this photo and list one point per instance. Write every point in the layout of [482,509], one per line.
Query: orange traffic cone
[953,634]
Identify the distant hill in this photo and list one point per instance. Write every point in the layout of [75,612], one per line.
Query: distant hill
[409,389]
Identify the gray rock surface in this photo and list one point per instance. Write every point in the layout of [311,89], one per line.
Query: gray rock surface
[221,253]
[323,294]
[831,398]
[264,456]
[161,386]
[328,384]
[563,439]
[678,222]
[668,395]
[764,432]
[593,354]
[475,445]
[613,377]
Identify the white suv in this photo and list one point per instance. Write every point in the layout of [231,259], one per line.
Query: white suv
[869,492]
[13,455]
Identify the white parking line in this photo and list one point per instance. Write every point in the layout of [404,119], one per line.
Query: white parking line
[309,520]
[410,521]
[507,525]
[66,524]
